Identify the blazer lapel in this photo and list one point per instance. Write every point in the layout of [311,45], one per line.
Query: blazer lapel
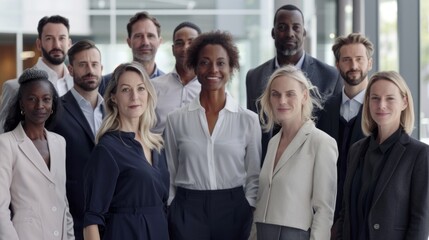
[71,105]
[306,67]
[296,143]
[390,165]
[266,73]
[31,152]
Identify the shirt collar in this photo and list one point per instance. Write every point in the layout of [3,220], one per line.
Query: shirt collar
[359,97]
[51,73]
[81,100]
[386,144]
[297,65]
[230,105]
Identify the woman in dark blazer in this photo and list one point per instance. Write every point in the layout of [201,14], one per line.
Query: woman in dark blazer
[386,192]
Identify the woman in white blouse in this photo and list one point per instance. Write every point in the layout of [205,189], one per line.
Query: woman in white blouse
[213,151]
[296,196]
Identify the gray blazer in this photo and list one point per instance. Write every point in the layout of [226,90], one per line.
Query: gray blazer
[300,190]
[33,203]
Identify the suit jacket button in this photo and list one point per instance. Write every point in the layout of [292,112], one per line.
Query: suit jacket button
[376,226]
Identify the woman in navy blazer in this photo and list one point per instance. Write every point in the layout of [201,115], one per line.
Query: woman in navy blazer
[297,184]
[386,191]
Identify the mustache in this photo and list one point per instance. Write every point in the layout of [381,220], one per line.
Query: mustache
[56,49]
[89,75]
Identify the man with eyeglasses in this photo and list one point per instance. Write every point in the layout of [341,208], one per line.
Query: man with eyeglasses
[289,35]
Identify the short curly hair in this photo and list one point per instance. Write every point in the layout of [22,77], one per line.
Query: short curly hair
[224,39]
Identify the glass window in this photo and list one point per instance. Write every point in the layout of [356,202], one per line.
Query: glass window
[388,30]
[424,71]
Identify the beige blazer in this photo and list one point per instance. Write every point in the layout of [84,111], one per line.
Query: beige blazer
[300,191]
[35,195]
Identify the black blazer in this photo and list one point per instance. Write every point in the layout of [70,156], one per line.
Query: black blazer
[80,141]
[322,75]
[400,207]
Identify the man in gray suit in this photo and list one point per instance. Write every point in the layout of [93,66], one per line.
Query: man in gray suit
[289,34]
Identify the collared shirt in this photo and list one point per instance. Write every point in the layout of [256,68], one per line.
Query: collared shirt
[156,73]
[228,158]
[93,116]
[297,65]
[172,94]
[350,107]
[63,84]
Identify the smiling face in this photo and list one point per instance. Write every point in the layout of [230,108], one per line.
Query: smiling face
[144,40]
[386,104]
[287,98]
[36,102]
[54,43]
[131,96]
[213,68]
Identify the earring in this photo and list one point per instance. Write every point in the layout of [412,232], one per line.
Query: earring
[52,111]
[22,112]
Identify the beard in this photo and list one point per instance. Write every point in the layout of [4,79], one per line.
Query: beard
[87,86]
[138,57]
[289,52]
[353,81]
[53,60]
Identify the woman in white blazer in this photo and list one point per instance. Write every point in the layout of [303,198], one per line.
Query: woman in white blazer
[33,203]
[297,184]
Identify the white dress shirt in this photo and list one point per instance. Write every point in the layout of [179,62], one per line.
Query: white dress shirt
[172,94]
[228,158]
[350,107]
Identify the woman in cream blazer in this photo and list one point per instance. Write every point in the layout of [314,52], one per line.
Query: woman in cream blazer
[297,183]
[33,203]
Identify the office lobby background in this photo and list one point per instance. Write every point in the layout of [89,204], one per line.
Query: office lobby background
[398,28]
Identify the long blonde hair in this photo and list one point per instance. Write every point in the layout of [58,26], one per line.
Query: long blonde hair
[147,120]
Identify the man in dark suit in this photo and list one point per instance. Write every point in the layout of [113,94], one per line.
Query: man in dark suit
[289,35]
[342,114]
[79,121]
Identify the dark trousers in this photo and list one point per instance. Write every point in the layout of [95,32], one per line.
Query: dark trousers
[266,231]
[210,215]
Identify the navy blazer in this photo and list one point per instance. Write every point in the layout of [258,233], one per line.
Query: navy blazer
[400,206]
[325,77]
[80,141]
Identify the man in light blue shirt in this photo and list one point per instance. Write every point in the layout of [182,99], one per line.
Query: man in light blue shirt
[144,39]
[180,86]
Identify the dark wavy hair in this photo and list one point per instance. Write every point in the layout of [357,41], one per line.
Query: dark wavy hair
[27,78]
[217,37]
